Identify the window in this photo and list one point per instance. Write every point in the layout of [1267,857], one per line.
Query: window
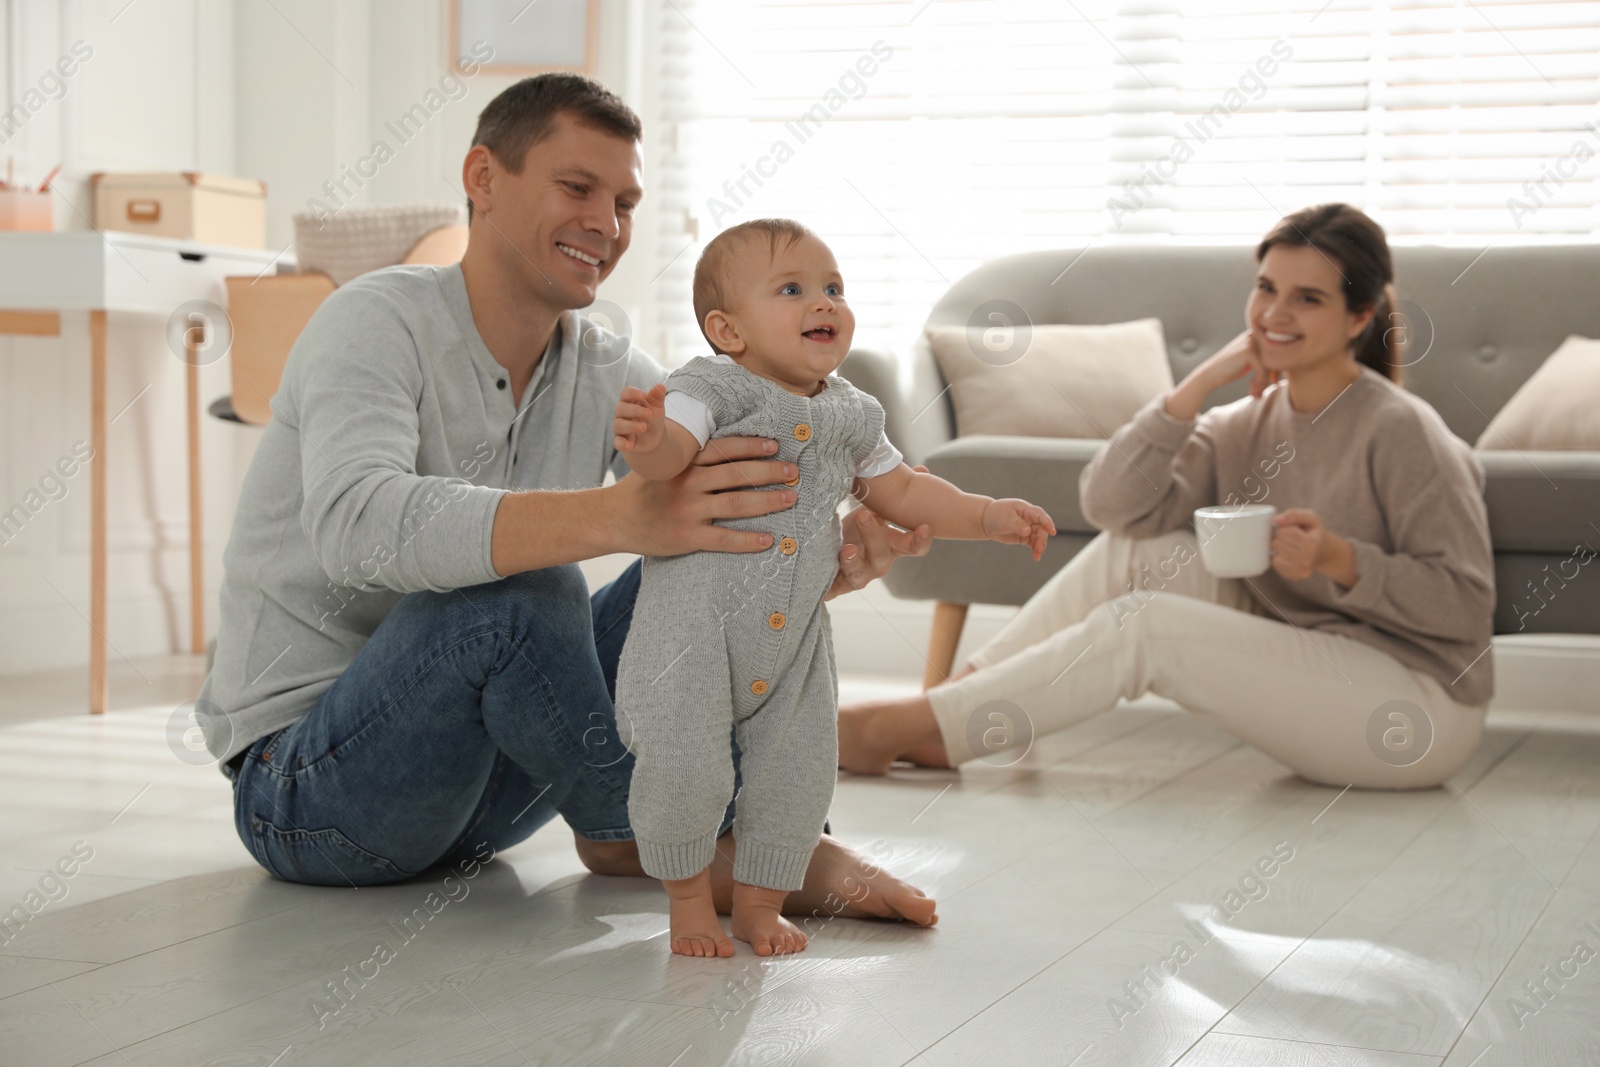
[922,138]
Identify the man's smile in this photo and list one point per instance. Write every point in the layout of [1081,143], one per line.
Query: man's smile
[586,258]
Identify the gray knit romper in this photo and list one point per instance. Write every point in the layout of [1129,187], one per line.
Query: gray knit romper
[739,644]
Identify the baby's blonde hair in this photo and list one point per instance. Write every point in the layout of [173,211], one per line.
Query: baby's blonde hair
[712,284]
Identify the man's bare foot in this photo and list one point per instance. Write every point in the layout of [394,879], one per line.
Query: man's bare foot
[841,881]
[758,919]
[695,928]
[873,735]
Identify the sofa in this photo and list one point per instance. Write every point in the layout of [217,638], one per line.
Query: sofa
[1478,328]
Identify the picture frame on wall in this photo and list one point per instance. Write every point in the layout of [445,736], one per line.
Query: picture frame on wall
[527,36]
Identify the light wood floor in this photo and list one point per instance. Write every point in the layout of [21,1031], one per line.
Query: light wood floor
[1097,903]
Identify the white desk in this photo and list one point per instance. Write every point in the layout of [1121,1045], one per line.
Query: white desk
[45,274]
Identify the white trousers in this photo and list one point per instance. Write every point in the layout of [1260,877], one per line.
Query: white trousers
[1335,710]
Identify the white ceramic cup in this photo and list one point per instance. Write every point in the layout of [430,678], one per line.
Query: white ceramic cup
[1235,538]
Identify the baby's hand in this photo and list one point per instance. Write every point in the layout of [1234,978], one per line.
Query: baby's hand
[641,421]
[1017,522]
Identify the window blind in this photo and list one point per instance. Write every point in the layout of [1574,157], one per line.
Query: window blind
[922,138]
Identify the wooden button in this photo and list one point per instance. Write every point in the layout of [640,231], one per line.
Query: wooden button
[788,546]
[802,432]
[793,481]
[776,620]
[758,686]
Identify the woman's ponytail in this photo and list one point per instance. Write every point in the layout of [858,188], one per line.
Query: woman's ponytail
[1382,345]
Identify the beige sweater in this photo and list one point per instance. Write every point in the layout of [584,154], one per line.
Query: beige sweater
[1379,468]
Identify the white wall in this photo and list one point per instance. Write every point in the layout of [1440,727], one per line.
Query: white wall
[157,93]
[292,92]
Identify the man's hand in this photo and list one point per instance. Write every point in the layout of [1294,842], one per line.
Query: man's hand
[1017,522]
[640,424]
[676,516]
[871,546]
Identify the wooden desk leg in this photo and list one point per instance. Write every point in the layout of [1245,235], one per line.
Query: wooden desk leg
[197,560]
[99,686]
[948,620]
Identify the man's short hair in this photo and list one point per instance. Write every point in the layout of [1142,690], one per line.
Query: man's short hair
[524,114]
[711,277]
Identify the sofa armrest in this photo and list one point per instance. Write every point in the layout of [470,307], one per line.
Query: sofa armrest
[1542,501]
[918,415]
[1040,470]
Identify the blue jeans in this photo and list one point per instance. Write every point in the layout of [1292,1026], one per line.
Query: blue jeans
[469,718]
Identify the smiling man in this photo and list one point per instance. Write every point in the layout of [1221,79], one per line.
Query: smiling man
[410,666]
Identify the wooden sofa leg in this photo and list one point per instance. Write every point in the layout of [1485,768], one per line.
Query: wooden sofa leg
[948,619]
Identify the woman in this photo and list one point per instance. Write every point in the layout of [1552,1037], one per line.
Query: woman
[1359,657]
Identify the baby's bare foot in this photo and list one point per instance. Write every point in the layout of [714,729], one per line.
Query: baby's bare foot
[756,919]
[695,929]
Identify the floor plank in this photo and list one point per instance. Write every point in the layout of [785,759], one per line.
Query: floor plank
[1398,933]
[1545,1007]
[1122,997]
[1403,965]
[1232,1050]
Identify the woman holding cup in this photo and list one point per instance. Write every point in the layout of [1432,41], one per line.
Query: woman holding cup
[1343,623]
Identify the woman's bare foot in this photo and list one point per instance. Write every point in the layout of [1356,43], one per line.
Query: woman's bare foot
[695,928]
[932,753]
[874,734]
[758,919]
[928,754]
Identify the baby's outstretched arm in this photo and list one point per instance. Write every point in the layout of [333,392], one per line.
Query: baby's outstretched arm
[910,498]
[656,447]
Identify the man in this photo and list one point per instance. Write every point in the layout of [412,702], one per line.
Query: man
[410,669]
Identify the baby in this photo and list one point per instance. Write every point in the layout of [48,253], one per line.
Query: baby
[739,644]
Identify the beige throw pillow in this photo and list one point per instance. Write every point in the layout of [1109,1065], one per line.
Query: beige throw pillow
[1556,410]
[1051,381]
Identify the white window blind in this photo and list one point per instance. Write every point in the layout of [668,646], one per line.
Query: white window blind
[923,138]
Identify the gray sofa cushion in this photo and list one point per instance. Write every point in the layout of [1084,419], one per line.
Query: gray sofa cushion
[1479,326]
[1533,597]
[980,572]
[1542,501]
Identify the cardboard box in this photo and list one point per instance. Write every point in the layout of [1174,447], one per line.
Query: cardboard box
[208,208]
[268,314]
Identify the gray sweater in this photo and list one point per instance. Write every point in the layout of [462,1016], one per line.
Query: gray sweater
[390,447]
[1380,469]
[741,642]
